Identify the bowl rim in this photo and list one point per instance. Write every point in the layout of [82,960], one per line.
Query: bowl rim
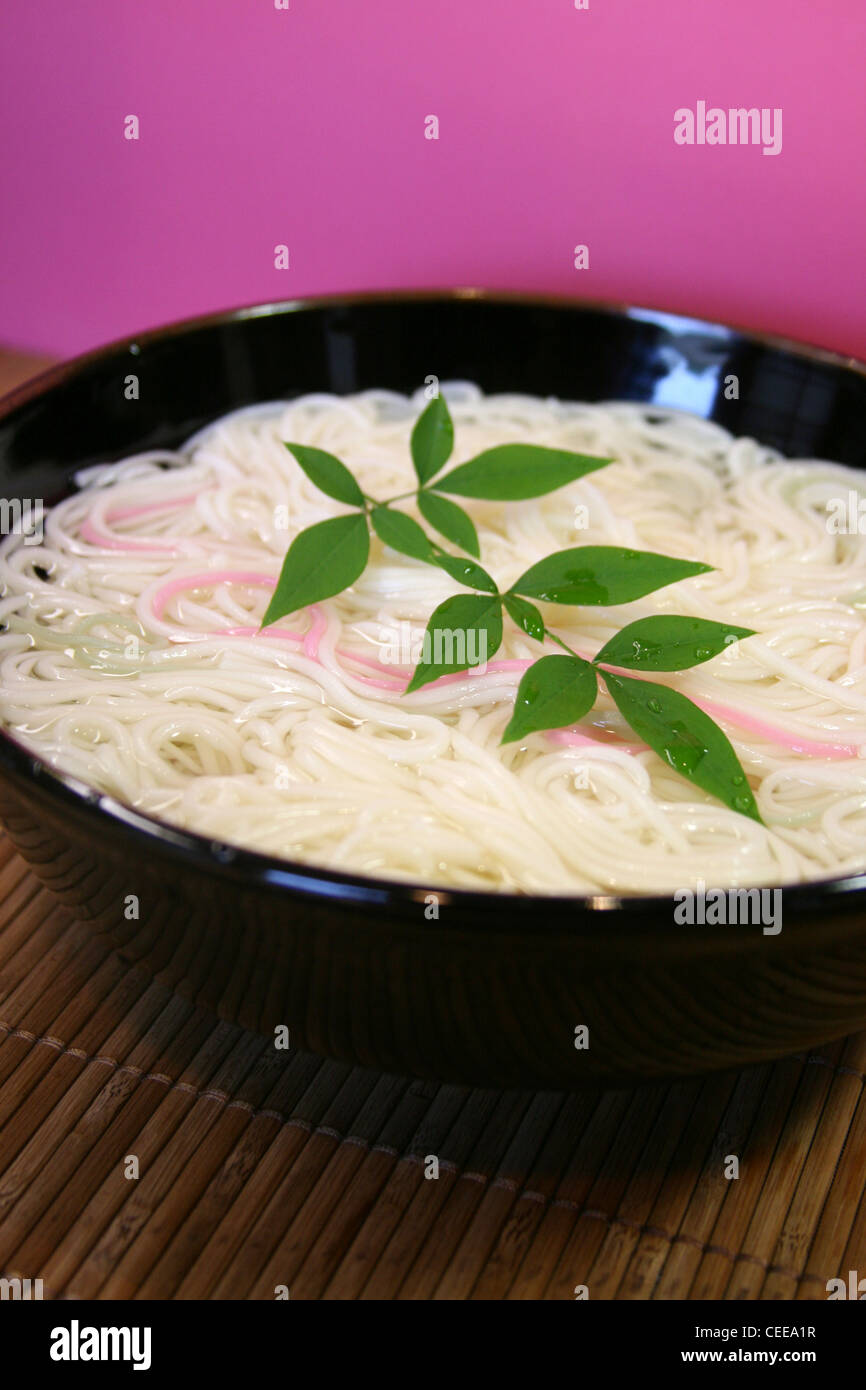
[53,375]
[574,913]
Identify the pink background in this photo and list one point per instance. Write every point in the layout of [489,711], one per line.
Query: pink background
[306,127]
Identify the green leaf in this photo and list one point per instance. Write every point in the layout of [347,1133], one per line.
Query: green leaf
[602,574]
[466,572]
[668,643]
[401,533]
[514,472]
[328,473]
[464,631]
[526,615]
[432,439]
[686,738]
[450,521]
[555,691]
[320,562]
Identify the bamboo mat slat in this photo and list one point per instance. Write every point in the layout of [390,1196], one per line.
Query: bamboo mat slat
[259,1168]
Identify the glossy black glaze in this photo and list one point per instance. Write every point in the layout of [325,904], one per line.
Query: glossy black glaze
[493,990]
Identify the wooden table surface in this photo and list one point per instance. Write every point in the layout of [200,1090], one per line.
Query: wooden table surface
[16,366]
[256,1171]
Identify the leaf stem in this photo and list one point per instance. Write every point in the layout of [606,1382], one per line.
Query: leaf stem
[401,497]
[559,642]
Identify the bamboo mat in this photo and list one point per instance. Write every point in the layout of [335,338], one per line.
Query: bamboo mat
[260,1168]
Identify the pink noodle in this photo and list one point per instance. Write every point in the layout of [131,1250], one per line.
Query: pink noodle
[576,736]
[284,632]
[317,631]
[369,661]
[572,738]
[90,533]
[124,513]
[208,580]
[812,748]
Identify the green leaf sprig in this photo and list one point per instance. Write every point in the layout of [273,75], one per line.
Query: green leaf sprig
[466,630]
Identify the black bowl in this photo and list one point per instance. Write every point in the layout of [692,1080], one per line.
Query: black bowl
[494,990]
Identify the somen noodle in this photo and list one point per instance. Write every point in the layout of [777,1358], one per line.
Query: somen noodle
[132,656]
